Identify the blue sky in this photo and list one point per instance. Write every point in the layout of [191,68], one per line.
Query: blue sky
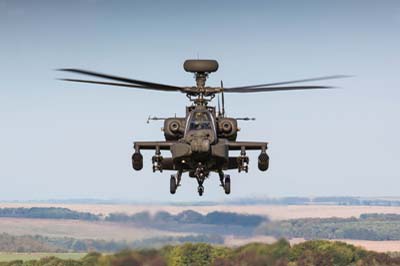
[65,140]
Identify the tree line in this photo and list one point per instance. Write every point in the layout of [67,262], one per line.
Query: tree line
[367,227]
[48,213]
[145,218]
[190,217]
[281,253]
[44,244]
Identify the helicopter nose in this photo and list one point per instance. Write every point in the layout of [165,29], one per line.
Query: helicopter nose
[199,145]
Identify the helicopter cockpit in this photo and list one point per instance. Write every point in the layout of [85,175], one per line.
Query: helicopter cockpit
[200,120]
[200,125]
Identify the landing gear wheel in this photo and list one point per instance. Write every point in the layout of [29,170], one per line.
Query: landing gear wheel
[172,185]
[200,189]
[227,185]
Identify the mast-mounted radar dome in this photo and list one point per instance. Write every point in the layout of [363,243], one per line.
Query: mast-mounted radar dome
[200,66]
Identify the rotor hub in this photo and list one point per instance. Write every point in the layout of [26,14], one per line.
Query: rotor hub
[201,69]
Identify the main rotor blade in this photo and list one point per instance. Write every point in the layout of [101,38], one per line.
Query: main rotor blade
[109,83]
[268,89]
[144,84]
[292,81]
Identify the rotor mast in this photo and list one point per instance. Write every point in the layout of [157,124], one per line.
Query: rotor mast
[200,94]
[201,99]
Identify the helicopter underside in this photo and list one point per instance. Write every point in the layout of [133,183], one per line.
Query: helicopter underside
[199,164]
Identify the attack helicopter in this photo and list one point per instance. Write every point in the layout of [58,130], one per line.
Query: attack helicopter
[200,142]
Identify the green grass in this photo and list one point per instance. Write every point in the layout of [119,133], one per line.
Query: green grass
[9,256]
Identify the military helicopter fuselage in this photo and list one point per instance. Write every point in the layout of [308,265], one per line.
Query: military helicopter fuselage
[202,141]
[199,144]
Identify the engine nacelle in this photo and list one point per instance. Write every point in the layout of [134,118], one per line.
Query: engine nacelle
[227,128]
[174,128]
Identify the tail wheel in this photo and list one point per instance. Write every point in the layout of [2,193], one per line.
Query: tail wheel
[172,185]
[227,185]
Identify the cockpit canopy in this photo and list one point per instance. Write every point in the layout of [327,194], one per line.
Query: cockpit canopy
[200,127]
[200,120]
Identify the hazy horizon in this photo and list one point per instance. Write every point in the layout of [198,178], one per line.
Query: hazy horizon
[67,140]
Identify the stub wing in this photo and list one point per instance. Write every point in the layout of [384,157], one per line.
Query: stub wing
[247,145]
[152,145]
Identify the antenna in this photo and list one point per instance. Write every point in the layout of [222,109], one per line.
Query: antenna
[223,98]
[219,107]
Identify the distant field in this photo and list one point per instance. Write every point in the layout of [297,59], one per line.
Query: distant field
[5,256]
[379,246]
[77,229]
[117,231]
[275,212]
